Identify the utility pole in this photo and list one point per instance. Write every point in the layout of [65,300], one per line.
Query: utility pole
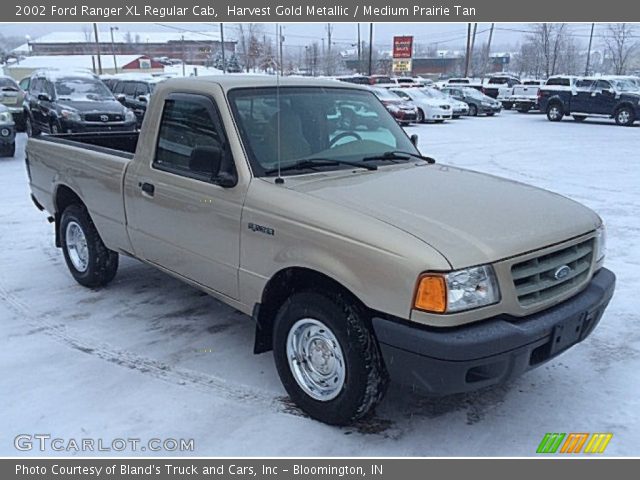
[488,52]
[359,50]
[182,46]
[473,44]
[329,59]
[586,68]
[281,38]
[466,63]
[224,63]
[95,33]
[370,48]
[113,49]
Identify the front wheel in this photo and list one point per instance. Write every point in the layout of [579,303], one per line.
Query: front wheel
[327,357]
[473,110]
[625,117]
[90,262]
[29,127]
[555,112]
[507,105]
[420,116]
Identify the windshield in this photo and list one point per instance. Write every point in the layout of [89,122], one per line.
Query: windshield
[314,122]
[433,93]
[624,85]
[472,92]
[81,89]
[384,94]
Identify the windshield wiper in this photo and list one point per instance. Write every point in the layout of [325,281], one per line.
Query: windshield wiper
[398,155]
[318,162]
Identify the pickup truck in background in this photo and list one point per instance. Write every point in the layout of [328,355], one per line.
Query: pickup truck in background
[500,87]
[593,97]
[305,205]
[524,97]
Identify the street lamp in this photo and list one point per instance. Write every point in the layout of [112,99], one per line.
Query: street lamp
[113,49]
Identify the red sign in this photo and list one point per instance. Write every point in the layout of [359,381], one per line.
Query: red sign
[402,47]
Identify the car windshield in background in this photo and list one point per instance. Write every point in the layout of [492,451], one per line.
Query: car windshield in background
[6,84]
[432,93]
[332,124]
[624,85]
[81,89]
[472,92]
[384,94]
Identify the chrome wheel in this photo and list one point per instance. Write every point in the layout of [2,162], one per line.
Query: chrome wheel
[554,112]
[315,359]
[77,249]
[624,117]
[28,127]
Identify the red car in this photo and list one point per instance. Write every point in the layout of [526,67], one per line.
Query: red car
[404,112]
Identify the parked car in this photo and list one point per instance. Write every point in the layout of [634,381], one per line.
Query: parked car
[12,97]
[429,109]
[402,110]
[59,102]
[479,104]
[524,97]
[7,133]
[593,97]
[135,92]
[358,259]
[458,107]
[356,79]
[500,87]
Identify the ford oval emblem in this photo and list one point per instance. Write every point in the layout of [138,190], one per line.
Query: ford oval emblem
[562,272]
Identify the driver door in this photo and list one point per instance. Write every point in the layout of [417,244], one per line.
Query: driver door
[604,98]
[178,218]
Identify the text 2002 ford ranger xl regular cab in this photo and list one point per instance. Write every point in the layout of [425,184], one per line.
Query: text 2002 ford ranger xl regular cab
[307,206]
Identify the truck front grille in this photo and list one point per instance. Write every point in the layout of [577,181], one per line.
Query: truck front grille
[548,276]
[103,117]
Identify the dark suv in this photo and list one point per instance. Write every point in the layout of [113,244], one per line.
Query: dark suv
[135,94]
[73,102]
[598,97]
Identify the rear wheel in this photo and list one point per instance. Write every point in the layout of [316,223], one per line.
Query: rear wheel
[507,105]
[473,110]
[55,128]
[625,117]
[8,150]
[555,112]
[327,357]
[524,108]
[29,128]
[420,118]
[90,262]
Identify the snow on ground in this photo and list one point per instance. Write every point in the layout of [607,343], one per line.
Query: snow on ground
[149,357]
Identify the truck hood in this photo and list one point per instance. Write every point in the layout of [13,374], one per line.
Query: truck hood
[90,106]
[469,217]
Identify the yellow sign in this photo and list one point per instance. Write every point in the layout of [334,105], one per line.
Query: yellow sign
[402,66]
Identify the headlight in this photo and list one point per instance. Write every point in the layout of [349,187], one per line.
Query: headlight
[601,243]
[129,116]
[71,115]
[6,117]
[458,290]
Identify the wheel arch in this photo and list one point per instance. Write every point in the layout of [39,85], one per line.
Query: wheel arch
[280,287]
[62,198]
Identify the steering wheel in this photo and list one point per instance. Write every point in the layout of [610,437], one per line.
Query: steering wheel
[342,135]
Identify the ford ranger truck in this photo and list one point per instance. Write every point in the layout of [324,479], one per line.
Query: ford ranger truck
[302,203]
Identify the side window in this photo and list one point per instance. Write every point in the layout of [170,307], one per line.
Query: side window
[141,89]
[188,121]
[129,89]
[24,83]
[36,85]
[584,84]
[602,85]
[118,87]
[48,88]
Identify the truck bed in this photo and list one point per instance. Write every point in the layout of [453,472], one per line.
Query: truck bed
[114,143]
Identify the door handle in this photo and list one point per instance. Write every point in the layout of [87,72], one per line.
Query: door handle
[147,188]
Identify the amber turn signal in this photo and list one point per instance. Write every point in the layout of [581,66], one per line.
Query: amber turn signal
[431,294]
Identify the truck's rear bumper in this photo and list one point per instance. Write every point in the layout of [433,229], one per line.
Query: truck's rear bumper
[454,360]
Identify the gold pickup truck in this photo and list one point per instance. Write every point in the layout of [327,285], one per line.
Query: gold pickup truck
[302,203]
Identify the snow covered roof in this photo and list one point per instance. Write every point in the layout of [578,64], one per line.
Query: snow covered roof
[72,62]
[124,36]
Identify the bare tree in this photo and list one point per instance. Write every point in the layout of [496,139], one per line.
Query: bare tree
[549,38]
[620,44]
[250,45]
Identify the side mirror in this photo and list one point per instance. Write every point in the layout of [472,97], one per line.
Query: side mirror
[142,99]
[414,139]
[44,97]
[121,97]
[207,161]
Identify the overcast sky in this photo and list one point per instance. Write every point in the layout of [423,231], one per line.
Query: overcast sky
[446,35]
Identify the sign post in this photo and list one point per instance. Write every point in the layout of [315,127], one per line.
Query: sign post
[402,55]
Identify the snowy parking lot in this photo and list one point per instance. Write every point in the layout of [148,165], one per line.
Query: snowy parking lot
[149,357]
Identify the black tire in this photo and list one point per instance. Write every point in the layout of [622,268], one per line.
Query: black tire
[507,105]
[555,112]
[579,118]
[438,121]
[473,110]
[420,118]
[55,128]
[29,127]
[625,116]
[102,263]
[365,380]
[490,114]
[524,108]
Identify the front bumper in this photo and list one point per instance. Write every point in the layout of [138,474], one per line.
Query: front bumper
[89,127]
[493,351]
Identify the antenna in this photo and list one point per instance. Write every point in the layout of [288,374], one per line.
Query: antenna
[279,179]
